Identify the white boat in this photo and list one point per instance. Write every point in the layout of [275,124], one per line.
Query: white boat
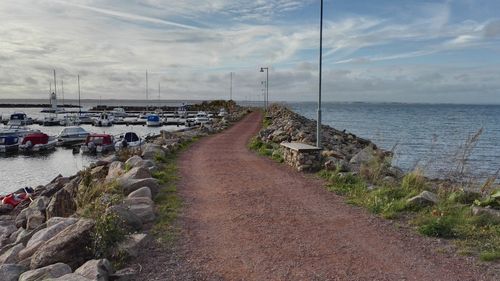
[222,112]
[70,120]
[129,140]
[72,135]
[104,120]
[153,120]
[119,112]
[18,119]
[37,142]
[51,120]
[201,118]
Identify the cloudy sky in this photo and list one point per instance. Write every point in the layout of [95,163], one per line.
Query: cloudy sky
[380,50]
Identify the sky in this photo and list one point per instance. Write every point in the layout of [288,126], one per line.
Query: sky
[374,51]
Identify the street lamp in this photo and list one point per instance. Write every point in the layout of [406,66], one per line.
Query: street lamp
[318,128]
[267,85]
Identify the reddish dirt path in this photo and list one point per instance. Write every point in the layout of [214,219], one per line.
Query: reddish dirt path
[248,218]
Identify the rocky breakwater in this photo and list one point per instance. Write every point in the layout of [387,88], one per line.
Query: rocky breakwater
[74,227]
[341,150]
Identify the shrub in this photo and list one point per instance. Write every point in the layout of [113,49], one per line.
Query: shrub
[414,181]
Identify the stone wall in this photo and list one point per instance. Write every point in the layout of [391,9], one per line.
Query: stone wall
[308,161]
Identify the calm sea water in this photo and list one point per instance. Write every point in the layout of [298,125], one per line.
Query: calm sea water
[428,136]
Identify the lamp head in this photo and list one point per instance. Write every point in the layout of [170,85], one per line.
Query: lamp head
[261,69]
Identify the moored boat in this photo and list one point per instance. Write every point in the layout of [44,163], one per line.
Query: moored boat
[129,140]
[98,143]
[9,143]
[72,135]
[37,142]
[153,120]
[104,120]
[19,119]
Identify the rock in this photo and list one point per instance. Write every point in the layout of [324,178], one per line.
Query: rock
[10,256]
[131,185]
[364,156]
[7,227]
[5,209]
[332,164]
[39,238]
[116,169]
[425,198]
[109,159]
[143,207]
[50,271]
[34,215]
[70,277]
[134,161]
[125,274]
[69,246]
[151,151]
[128,218]
[99,270]
[129,248]
[99,172]
[141,192]
[396,172]
[136,173]
[62,204]
[11,272]
[478,211]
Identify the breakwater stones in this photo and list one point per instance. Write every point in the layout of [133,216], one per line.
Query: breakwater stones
[339,149]
[73,225]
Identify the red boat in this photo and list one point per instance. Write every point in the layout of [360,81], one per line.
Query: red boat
[14,199]
[98,143]
[37,142]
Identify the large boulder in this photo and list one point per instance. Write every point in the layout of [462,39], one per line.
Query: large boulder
[7,227]
[129,248]
[50,271]
[364,156]
[39,238]
[115,170]
[134,161]
[62,204]
[99,172]
[99,270]
[11,272]
[141,192]
[426,198]
[34,215]
[151,151]
[69,246]
[131,185]
[10,256]
[143,207]
[128,219]
[135,173]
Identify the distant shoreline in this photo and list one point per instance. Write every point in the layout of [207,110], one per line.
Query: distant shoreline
[27,105]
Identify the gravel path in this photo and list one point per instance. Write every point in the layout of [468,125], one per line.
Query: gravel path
[248,218]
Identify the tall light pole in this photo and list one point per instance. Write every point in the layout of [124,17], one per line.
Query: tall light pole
[267,85]
[318,128]
[231,87]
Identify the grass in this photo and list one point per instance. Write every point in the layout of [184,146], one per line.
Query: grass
[168,203]
[451,218]
[270,150]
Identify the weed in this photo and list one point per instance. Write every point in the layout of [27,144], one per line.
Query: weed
[414,181]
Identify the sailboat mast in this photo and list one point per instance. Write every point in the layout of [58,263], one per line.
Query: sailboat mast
[55,84]
[159,95]
[79,103]
[147,94]
[62,89]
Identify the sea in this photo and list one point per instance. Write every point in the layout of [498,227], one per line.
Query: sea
[430,137]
